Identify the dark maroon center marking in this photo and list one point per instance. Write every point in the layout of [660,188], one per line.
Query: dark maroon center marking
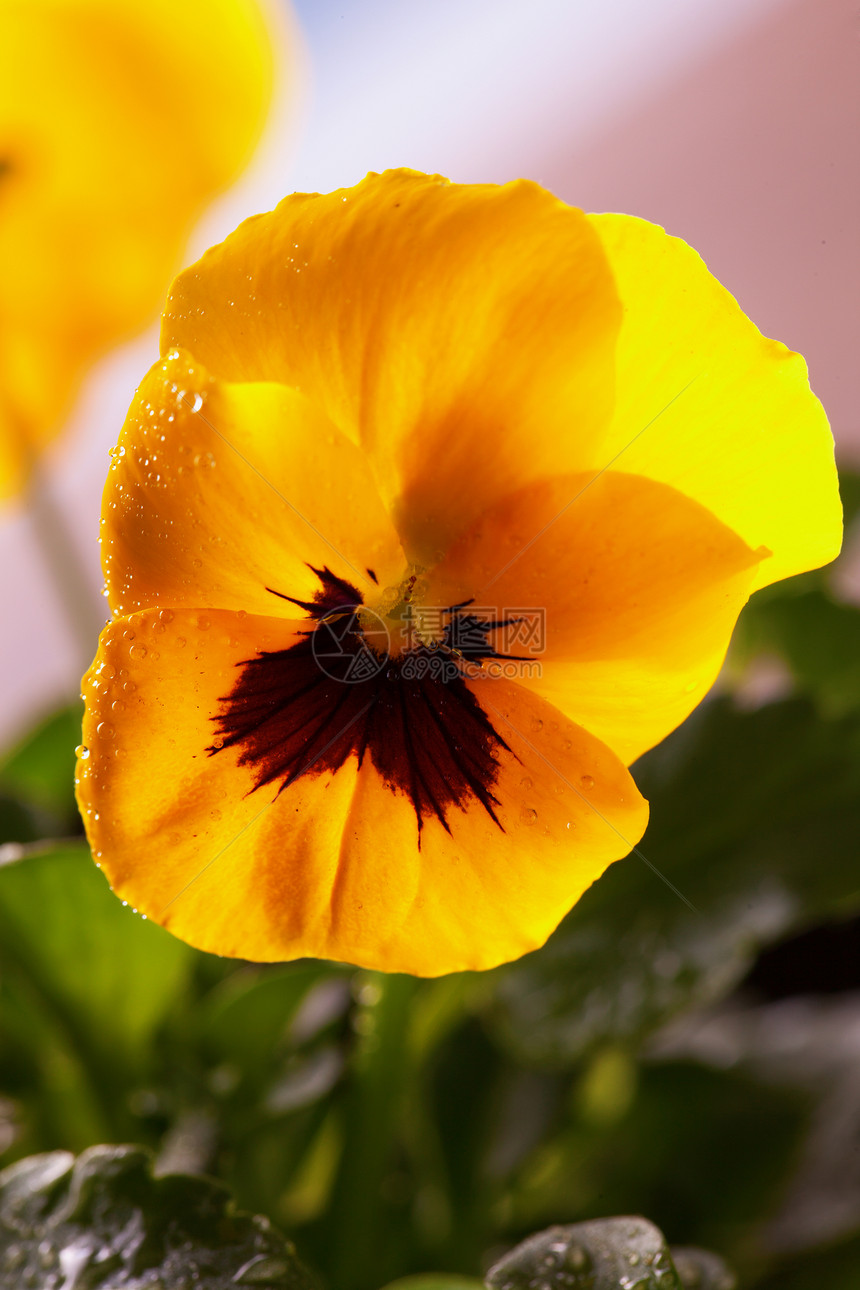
[306,709]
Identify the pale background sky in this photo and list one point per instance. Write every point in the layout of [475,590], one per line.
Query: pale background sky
[731,122]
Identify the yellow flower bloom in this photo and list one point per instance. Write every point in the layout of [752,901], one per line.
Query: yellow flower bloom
[392,428]
[119,120]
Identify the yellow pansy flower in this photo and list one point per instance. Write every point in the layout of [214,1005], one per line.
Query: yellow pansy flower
[437,511]
[119,120]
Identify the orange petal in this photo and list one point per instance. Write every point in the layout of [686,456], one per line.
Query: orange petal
[180,833]
[709,405]
[217,492]
[640,588]
[331,866]
[464,335]
[482,895]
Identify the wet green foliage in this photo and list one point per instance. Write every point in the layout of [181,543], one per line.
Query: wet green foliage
[414,1132]
[103,1222]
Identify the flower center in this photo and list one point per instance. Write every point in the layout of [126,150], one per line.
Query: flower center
[381,683]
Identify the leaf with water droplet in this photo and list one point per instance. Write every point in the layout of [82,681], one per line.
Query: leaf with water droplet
[602,1254]
[105,1223]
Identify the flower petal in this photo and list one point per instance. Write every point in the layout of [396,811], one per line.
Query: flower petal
[331,866]
[709,405]
[480,895]
[464,335]
[179,832]
[217,492]
[118,122]
[640,587]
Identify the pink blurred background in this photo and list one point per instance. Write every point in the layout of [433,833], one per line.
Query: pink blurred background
[730,122]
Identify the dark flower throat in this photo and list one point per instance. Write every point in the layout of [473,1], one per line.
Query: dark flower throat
[307,709]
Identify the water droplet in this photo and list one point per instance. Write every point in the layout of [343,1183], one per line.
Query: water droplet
[577,1258]
[137,652]
[525,782]
[198,403]
[166,616]
[204,623]
[586,782]
[528,815]
[82,751]
[105,729]
[536,725]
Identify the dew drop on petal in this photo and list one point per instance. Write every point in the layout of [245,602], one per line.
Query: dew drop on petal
[82,751]
[586,782]
[137,652]
[528,815]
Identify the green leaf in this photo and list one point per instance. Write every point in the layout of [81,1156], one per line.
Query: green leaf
[246,1021]
[754,821]
[41,768]
[103,1222]
[603,1254]
[816,636]
[801,622]
[673,1154]
[108,973]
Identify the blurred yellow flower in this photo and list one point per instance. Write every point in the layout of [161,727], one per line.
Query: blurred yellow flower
[438,510]
[119,120]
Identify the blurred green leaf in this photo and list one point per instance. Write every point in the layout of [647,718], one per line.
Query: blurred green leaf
[801,622]
[84,985]
[704,1153]
[816,636]
[102,1221]
[754,823]
[849,487]
[112,973]
[40,769]
[246,1020]
[604,1254]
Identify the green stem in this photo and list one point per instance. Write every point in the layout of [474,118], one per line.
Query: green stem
[73,587]
[79,602]
[373,1107]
